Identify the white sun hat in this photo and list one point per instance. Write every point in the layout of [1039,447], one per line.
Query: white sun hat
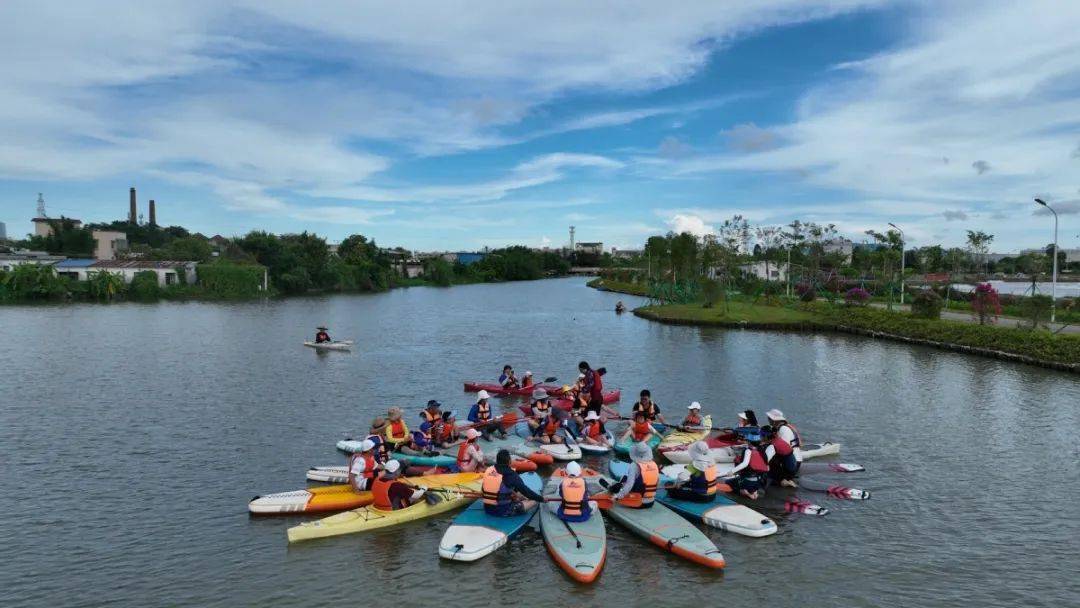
[482,395]
[775,414]
[694,406]
[392,466]
[573,469]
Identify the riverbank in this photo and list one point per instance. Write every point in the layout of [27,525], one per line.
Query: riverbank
[633,289]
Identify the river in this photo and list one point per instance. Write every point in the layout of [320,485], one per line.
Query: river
[132,437]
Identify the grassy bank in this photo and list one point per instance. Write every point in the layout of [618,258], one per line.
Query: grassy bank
[736,313]
[634,289]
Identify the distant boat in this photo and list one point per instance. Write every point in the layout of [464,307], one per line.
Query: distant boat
[332,345]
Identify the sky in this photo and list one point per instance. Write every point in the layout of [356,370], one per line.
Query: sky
[458,125]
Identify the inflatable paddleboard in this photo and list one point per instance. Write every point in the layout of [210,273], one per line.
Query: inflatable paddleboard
[475,534]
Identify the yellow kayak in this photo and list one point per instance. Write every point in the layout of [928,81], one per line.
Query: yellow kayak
[370,518]
[678,437]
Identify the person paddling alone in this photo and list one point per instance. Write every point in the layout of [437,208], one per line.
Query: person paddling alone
[503,492]
[574,504]
[693,418]
[321,335]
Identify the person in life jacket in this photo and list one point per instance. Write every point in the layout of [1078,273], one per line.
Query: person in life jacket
[378,426]
[390,493]
[593,431]
[397,432]
[427,438]
[637,489]
[751,472]
[786,443]
[527,381]
[470,458]
[693,416]
[449,435]
[549,429]
[363,466]
[574,505]
[321,335]
[538,410]
[593,386]
[503,493]
[647,405]
[508,379]
[700,481]
[483,418]
[640,431]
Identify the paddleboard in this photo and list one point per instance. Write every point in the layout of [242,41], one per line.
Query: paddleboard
[790,504]
[722,451]
[579,548]
[475,534]
[597,449]
[342,345]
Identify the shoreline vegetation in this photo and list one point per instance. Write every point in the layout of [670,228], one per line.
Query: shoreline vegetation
[1032,346]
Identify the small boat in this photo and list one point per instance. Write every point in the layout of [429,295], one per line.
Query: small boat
[475,534]
[334,345]
[497,389]
[579,548]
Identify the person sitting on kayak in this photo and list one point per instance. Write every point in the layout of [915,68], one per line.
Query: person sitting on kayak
[481,416]
[640,431]
[693,418]
[503,492]
[593,431]
[747,424]
[397,432]
[538,410]
[363,466]
[321,335]
[647,405]
[574,494]
[699,481]
[508,379]
[637,489]
[431,426]
[470,458]
[547,431]
[389,493]
[751,471]
[786,443]
[378,426]
[449,434]
[527,381]
[619,306]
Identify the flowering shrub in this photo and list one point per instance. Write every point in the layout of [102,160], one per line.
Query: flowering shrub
[926,305]
[806,292]
[985,304]
[856,296]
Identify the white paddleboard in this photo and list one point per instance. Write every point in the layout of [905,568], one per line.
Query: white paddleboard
[336,345]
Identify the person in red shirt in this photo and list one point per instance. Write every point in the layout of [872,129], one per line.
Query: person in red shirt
[321,335]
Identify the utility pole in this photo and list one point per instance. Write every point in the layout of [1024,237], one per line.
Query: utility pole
[571,239]
[1053,288]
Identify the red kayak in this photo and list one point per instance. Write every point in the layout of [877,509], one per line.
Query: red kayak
[609,397]
[497,389]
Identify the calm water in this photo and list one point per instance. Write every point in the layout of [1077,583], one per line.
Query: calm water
[132,437]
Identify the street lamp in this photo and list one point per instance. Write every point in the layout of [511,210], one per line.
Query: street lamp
[901,262]
[1053,288]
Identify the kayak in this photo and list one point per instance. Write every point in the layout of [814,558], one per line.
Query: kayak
[369,518]
[622,446]
[511,443]
[721,451]
[722,512]
[666,529]
[579,548]
[609,398]
[597,449]
[497,389]
[789,504]
[351,446]
[475,534]
[340,474]
[335,345]
[311,500]
[679,437]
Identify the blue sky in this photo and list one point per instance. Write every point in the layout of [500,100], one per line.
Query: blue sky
[435,127]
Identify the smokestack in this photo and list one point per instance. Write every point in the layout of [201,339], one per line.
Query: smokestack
[133,213]
[153,214]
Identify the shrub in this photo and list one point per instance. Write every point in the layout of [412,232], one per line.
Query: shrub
[1037,309]
[712,292]
[926,305]
[227,280]
[856,296]
[985,305]
[806,292]
[144,286]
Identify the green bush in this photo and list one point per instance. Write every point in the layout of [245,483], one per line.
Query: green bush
[1037,309]
[926,305]
[438,271]
[227,280]
[711,291]
[144,286]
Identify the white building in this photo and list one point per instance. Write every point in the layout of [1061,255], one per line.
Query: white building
[776,271]
[168,272]
[590,248]
[626,253]
[42,226]
[10,259]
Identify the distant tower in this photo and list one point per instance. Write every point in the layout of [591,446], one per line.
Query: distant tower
[40,205]
[133,213]
[153,213]
[571,238]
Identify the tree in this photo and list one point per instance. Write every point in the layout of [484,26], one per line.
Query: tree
[438,271]
[65,238]
[768,238]
[979,243]
[191,248]
[657,249]
[104,285]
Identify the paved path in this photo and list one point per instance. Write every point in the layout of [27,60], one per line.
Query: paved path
[965,317]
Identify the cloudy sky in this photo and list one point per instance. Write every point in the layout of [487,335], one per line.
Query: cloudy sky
[448,125]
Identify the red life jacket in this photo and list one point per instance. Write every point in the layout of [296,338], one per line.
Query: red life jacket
[369,465]
[692,420]
[592,429]
[461,453]
[380,491]
[397,430]
[527,382]
[758,464]
[640,431]
[597,385]
[573,496]
[782,447]
[448,430]
[551,426]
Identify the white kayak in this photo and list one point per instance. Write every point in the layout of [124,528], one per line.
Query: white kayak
[727,454]
[335,345]
[597,449]
[559,451]
[475,534]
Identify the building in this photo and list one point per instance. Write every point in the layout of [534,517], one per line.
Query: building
[43,227]
[168,272]
[465,257]
[3,231]
[109,244]
[626,254]
[590,248]
[774,271]
[10,259]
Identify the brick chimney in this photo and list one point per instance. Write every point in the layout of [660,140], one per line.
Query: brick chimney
[153,213]
[133,216]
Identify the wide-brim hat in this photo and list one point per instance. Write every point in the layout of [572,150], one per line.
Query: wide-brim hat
[641,452]
[482,395]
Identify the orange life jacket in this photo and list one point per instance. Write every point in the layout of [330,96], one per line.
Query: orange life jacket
[573,496]
[396,431]
[692,420]
[551,426]
[527,382]
[462,451]
[592,429]
[380,491]
[448,430]
[492,489]
[483,412]
[707,482]
[640,431]
[369,465]
[649,479]
[429,417]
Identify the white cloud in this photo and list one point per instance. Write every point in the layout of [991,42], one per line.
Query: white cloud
[693,224]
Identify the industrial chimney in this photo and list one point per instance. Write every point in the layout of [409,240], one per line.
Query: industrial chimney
[153,214]
[133,213]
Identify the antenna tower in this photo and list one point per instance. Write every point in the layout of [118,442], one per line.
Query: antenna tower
[571,238]
[40,205]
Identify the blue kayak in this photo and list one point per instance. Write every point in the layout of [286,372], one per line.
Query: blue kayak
[475,534]
[722,512]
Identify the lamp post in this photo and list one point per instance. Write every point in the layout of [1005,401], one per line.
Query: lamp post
[1053,287]
[901,262]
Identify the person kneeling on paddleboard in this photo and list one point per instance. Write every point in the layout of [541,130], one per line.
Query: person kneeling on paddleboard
[480,415]
[640,430]
[503,492]
[637,489]
[699,481]
[693,416]
[390,494]
[574,494]
[539,410]
[785,442]
[594,433]
[508,379]
[548,429]
[470,458]
[751,473]
[647,405]
[363,466]
[321,335]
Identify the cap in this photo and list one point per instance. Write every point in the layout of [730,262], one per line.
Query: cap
[482,395]
[573,469]
[433,403]
[322,328]
[742,416]
[392,466]
[528,373]
[539,394]
[581,376]
[472,434]
[449,414]
[699,450]
[641,452]
[645,393]
[367,445]
[775,414]
[592,416]
[694,406]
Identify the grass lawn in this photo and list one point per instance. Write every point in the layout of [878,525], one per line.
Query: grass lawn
[736,312]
